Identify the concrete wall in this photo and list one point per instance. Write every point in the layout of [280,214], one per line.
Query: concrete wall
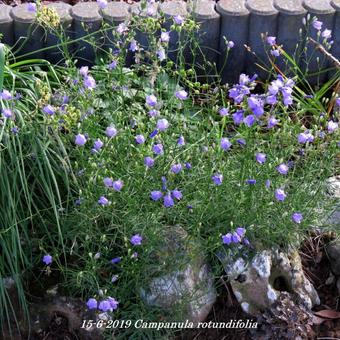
[240,21]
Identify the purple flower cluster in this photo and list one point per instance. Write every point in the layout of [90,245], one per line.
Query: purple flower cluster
[280,195]
[225,144]
[88,80]
[280,88]
[151,100]
[223,112]
[31,7]
[242,89]
[136,240]
[6,95]
[116,185]
[283,169]
[102,3]
[236,237]
[179,20]
[80,139]
[181,95]
[49,110]
[261,157]
[305,137]
[217,179]
[111,131]
[165,37]
[7,113]
[297,217]
[149,161]
[168,196]
[108,305]
[162,124]
[47,259]
[256,105]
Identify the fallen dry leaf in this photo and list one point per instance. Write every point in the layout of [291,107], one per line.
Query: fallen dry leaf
[328,314]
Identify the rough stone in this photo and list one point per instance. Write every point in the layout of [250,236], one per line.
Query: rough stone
[188,290]
[261,7]
[290,7]
[286,319]
[115,12]
[333,219]
[8,282]
[333,253]
[137,9]
[334,186]
[318,6]
[259,281]
[72,310]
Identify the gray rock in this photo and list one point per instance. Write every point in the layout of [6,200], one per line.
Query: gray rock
[334,190]
[334,186]
[189,289]
[258,282]
[70,309]
[333,253]
[8,282]
[338,285]
[334,218]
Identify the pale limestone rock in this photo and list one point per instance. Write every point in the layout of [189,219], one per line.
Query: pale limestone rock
[261,279]
[189,287]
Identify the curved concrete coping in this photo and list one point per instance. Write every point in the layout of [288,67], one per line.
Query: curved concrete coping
[86,12]
[116,11]
[203,9]
[232,7]
[173,8]
[318,6]
[290,7]
[150,11]
[5,14]
[261,7]
[63,10]
[20,13]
